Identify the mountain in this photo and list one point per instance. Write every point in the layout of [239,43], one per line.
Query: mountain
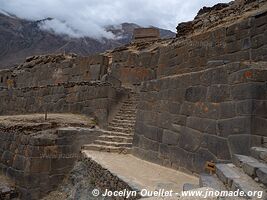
[21,38]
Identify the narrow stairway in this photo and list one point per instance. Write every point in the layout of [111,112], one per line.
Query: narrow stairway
[119,135]
[245,173]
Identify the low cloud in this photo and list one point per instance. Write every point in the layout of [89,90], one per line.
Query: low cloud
[80,18]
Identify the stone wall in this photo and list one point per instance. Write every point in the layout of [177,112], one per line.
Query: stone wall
[90,98]
[131,68]
[54,69]
[246,39]
[145,34]
[243,39]
[5,75]
[39,161]
[188,119]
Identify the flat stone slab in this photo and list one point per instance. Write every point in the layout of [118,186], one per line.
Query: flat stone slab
[236,179]
[259,153]
[239,160]
[141,174]
[262,174]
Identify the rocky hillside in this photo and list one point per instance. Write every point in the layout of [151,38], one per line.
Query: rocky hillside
[20,38]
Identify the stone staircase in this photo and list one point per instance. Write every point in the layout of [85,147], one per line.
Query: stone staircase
[118,137]
[246,173]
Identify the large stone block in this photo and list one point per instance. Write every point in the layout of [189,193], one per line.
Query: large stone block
[176,95]
[227,110]
[148,144]
[206,110]
[202,124]
[237,125]
[190,139]
[164,120]
[180,157]
[239,144]
[153,133]
[259,107]
[249,91]
[259,126]
[19,162]
[164,151]
[218,93]
[262,174]
[187,108]
[248,75]
[244,107]
[170,137]
[218,146]
[7,158]
[195,94]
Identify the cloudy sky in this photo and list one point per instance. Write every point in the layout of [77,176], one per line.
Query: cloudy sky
[79,18]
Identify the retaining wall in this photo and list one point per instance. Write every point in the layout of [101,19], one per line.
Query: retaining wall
[188,119]
[93,99]
[39,161]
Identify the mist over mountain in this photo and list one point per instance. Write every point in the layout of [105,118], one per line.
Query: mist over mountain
[20,38]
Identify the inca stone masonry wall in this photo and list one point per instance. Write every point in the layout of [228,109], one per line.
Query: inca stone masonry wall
[38,162]
[207,101]
[188,119]
[94,99]
[54,69]
[132,68]
[242,40]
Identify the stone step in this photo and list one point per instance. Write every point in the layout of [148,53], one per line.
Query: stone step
[126,115]
[122,124]
[113,144]
[212,181]
[234,178]
[127,110]
[120,129]
[259,153]
[115,133]
[121,112]
[111,138]
[239,160]
[111,149]
[249,165]
[127,103]
[123,121]
[128,107]
[119,117]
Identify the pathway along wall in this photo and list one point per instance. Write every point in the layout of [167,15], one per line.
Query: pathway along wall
[94,99]
[188,119]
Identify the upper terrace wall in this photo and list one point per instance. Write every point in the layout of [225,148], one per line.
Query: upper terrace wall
[94,99]
[54,69]
[188,119]
[243,40]
[134,67]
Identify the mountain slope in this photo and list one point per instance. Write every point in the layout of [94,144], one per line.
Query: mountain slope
[20,38]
